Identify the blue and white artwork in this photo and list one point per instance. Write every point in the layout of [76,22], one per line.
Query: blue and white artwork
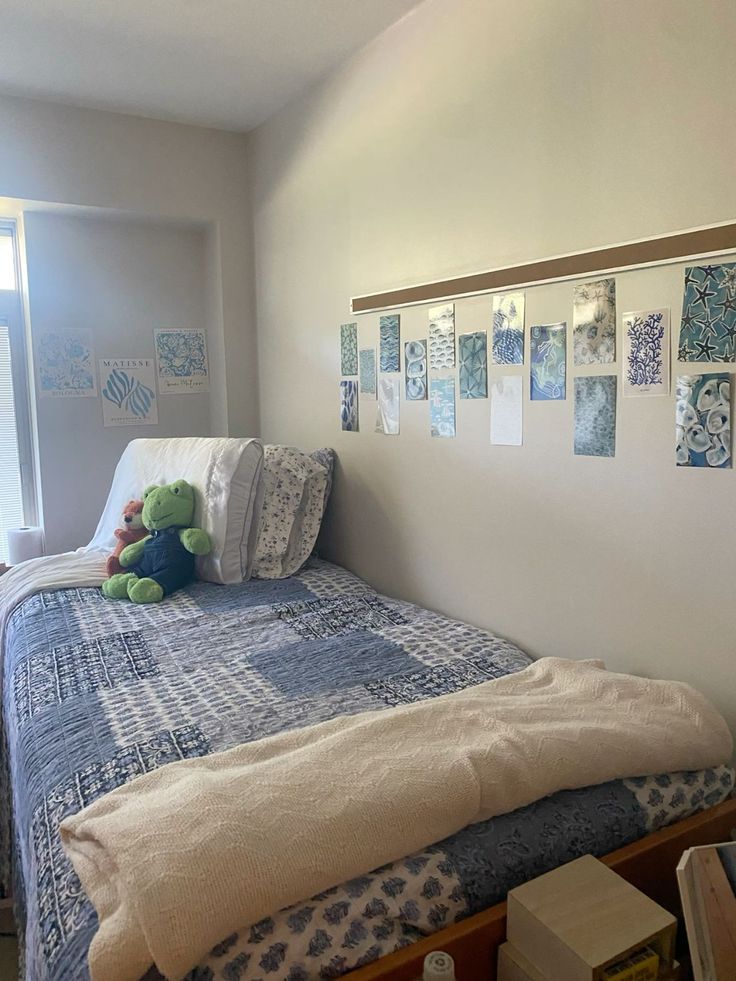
[594,322]
[128,392]
[66,364]
[548,352]
[595,415]
[181,358]
[703,420]
[349,349]
[442,337]
[387,417]
[473,357]
[646,352]
[389,341]
[367,359]
[508,328]
[442,406]
[708,326]
[349,405]
[415,371]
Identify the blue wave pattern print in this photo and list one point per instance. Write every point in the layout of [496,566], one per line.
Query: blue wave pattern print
[389,336]
[128,394]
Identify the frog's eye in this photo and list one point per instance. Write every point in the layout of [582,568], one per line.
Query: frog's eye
[176,490]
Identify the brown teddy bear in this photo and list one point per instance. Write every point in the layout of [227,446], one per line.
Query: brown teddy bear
[131,532]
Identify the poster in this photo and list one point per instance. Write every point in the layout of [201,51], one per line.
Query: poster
[128,389]
[595,415]
[66,364]
[387,417]
[181,357]
[548,351]
[703,421]
[594,322]
[415,370]
[389,342]
[442,337]
[349,349]
[442,406]
[508,328]
[367,364]
[471,351]
[349,406]
[506,410]
[708,325]
[646,335]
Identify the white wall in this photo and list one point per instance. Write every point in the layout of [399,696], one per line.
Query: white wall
[476,134]
[82,157]
[120,279]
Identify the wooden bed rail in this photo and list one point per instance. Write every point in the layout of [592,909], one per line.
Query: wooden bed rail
[649,864]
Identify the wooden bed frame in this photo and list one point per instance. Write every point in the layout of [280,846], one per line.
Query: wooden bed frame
[649,864]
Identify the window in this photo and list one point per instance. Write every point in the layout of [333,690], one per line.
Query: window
[17,493]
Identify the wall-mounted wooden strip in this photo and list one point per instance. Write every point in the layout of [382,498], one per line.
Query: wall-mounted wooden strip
[668,248]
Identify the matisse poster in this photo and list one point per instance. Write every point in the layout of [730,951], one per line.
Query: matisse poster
[128,392]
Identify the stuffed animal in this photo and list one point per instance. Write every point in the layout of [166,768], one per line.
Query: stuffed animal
[164,560]
[131,532]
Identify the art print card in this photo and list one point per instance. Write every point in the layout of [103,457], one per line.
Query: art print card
[473,358]
[128,392]
[442,406]
[508,328]
[594,322]
[415,371]
[349,405]
[442,337]
[703,420]
[367,359]
[506,410]
[181,358]
[548,354]
[387,417]
[348,349]
[66,364]
[389,341]
[708,326]
[646,336]
[595,415]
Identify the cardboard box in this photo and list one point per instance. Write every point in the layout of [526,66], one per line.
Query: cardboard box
[581,918]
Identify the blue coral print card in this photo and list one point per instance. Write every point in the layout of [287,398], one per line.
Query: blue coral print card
[646,352]
[181,358]
[703,420]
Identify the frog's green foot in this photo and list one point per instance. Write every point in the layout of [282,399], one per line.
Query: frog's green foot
[145,591]
[116,587]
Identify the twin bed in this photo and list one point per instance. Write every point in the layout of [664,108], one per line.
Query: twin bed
[96,693]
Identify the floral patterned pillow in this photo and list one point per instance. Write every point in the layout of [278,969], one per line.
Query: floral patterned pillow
[296,486]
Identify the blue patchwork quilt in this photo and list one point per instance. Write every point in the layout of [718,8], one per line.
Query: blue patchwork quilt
[97,692]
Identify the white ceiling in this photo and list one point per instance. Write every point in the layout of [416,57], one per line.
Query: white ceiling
[223,63]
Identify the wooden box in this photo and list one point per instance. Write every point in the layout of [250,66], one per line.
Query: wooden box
[513,966]
[577,920]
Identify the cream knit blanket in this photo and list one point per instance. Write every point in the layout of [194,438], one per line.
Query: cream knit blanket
[185,855]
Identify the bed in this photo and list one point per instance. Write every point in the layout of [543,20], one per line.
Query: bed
[96,693]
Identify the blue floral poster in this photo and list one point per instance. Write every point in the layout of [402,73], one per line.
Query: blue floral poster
[181,357]
[128,392]
[66,364]
[508,328]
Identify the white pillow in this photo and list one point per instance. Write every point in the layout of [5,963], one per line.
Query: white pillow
[226,475]
[295,487]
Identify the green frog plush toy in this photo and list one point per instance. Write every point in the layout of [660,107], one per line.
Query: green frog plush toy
[164,560]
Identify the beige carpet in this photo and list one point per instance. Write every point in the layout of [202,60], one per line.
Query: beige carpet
[8,959]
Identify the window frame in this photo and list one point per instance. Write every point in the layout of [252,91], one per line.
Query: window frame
[12,311]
